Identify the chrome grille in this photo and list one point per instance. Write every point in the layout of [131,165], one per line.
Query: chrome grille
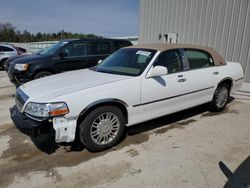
[20,98]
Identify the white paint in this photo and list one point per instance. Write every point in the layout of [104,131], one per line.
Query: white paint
[144,96]
[145,53]
[65,129]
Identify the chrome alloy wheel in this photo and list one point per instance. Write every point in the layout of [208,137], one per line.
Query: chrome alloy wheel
[222,97]
[104,128]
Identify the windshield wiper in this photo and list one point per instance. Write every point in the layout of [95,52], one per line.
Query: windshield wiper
[92,68]
[104,71]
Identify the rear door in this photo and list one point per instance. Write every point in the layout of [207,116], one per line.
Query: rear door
[98,50]
[202,76]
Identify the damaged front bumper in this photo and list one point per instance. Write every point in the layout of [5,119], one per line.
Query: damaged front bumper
[63,129]
[28,126]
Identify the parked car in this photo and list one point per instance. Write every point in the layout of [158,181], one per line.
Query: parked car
[66,55]
[21,50]
[133,85]
[7,51]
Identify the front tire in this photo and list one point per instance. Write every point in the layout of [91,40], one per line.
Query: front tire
[220,98]
[102,128]
[42,74]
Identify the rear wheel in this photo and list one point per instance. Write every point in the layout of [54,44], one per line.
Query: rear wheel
[102,128]
[2,63]
[221,97]
[42,74]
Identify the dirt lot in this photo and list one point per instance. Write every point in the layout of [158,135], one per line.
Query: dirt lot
[193,148]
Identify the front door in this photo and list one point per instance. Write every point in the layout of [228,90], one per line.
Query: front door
[73,57]
[165,94]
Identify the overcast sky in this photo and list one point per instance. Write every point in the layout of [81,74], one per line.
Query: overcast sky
[101,17]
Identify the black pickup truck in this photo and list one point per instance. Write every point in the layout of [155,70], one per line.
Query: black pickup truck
[65,55]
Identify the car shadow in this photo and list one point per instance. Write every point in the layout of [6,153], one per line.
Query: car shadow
[240,178]
[170,119]
[166,120]
[46,143]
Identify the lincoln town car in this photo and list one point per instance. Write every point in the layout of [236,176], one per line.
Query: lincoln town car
[133,85]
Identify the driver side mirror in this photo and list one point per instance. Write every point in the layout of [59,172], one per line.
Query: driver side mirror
[62,55]
[157,71]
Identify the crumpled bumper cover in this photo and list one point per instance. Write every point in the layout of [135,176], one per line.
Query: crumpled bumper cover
[64,130]
[28,126]
[18,79]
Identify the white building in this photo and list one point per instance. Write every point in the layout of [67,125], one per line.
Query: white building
[221,24]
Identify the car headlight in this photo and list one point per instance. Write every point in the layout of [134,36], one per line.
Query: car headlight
[45,110]
[21,67]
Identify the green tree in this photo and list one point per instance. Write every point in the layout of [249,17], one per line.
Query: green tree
[8,33]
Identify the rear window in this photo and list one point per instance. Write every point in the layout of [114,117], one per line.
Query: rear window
[121,43]
[198,58]
[99,48]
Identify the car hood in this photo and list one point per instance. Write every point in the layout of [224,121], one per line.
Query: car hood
[17,56]
[45,89]
[27,58]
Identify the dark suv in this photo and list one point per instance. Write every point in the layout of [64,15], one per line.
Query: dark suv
[65,55]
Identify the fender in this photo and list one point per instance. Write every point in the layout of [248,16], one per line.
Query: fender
[103,101]
[227,78]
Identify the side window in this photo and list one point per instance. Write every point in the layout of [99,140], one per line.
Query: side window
[170,59]
[6,49]
[198,58]
[75,49]
[99,48]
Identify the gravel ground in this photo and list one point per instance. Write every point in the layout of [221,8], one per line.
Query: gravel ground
[192,148]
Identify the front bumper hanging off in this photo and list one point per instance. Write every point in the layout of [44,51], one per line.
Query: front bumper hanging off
[64,130]
[28,126]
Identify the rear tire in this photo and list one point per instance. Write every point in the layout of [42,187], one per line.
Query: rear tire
[42,74]
[220,98]
[102,128]
[2,63]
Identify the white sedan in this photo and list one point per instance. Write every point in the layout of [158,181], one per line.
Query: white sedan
[133,85]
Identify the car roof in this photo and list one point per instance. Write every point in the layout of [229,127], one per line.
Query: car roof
[218,59]
[6,45]
[93,39]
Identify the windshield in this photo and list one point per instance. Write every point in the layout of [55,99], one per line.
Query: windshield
[52,49]
[126,61]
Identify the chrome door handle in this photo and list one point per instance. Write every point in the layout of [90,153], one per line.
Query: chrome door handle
[215,73]
[182,80]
